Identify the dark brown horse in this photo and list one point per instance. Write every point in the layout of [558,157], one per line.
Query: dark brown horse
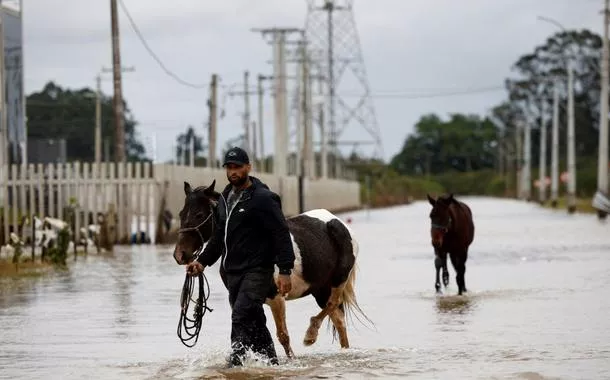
[452,232]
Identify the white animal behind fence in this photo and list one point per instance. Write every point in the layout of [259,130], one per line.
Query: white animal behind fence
[54,190]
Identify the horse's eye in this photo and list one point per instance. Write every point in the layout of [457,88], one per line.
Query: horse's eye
[199,215]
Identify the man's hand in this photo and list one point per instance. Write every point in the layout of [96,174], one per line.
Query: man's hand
[194,268]
[284,284]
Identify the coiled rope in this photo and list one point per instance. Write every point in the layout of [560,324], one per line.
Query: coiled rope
[188,329]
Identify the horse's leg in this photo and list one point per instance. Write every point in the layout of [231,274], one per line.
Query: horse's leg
[445,271]
[340,276]
[464,258]
[333,300]
[278,309]
[440,261]
[459,263]
[338,318]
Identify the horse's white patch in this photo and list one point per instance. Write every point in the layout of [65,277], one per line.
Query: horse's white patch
[326,216]
[320,213]
[299,286]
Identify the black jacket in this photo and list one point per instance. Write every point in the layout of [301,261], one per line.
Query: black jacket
[254,235]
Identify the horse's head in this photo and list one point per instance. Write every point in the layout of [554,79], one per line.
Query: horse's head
[440,218]
[197,221]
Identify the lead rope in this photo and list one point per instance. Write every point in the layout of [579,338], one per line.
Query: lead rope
[201,305]
[192,327]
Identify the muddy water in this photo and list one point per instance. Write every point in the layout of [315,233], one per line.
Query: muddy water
[538,307]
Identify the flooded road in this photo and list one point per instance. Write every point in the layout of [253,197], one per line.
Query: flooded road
[538,307]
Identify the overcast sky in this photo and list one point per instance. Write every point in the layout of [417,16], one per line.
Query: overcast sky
[409,47]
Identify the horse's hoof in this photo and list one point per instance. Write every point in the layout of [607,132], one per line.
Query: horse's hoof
[309,341]
[310,337]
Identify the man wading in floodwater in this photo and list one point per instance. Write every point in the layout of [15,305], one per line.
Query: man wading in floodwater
[251,236]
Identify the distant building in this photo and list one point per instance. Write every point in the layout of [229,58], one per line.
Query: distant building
[14,83]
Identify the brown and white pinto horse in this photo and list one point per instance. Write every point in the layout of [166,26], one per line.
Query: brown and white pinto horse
[325,261]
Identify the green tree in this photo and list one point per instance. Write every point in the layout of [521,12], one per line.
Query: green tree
[56,112]
[462,143]
[538,72]
[183,145]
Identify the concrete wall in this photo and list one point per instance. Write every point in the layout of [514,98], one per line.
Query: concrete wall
[332,194]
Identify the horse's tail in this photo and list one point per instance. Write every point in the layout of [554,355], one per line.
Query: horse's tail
[344,240]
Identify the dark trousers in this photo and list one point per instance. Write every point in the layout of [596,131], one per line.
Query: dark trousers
[247,293]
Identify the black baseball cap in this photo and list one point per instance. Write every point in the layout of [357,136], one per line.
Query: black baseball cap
[237,156]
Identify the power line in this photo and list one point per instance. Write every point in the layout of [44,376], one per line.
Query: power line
[449,93]
[404,94]
[155,57]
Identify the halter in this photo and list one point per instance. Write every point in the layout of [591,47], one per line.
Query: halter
[442,227]
[196,229]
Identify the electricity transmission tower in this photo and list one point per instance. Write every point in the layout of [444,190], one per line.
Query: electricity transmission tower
[334,45]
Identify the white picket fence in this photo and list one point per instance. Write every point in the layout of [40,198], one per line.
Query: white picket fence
[47,190]
[135,190]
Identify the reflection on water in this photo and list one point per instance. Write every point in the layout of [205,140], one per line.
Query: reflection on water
[536,309]
[454,304]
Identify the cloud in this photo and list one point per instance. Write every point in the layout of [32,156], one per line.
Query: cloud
[407,46]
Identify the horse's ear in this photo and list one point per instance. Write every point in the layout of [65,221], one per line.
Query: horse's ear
[187,188]
[211,187]
[210,193]
[432,201]
[450,199]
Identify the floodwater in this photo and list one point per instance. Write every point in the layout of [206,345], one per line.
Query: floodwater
[538,307]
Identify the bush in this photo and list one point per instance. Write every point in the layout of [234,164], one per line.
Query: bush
[482,182]
[391,188]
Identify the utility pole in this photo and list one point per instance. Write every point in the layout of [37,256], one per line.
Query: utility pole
[305,148]
[247,113]
[192,151]
[119,122]
[281,112]
[308,152]
[301,125]
[329,7]
[602,161]
[23,94]
[542,158]
[122,118]
[261,137]
[98,120]
[527,162]
[571,202]
[3,108]
[212,122]
[555,148]
[280,159]
[324,147]
[519,159]
[254,145]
